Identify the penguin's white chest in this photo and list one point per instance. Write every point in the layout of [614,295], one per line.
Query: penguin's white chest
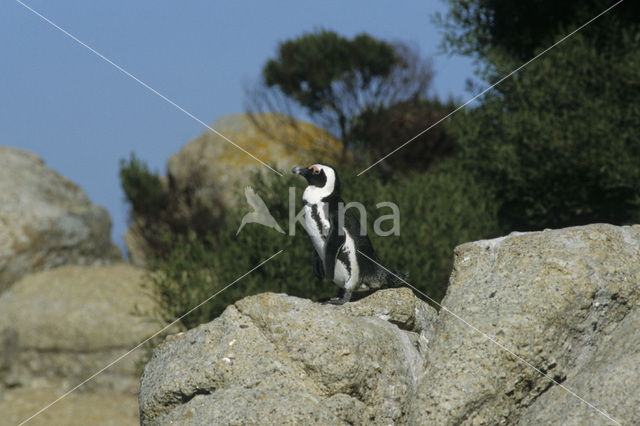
[346,271]
[317,224]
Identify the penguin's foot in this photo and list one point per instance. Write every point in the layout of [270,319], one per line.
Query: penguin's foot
[346,296]
[335,301]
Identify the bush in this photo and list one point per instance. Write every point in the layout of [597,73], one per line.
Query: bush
[438,211]
[377,132]
[164,212]
[200,265]
[143,188]
[560,141]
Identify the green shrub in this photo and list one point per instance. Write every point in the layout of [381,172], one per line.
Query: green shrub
[377,132]
[438,210]
[163,212]
[143,188]
[198,266]
[559,142]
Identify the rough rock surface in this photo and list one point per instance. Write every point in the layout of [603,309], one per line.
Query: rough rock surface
[288,360]
[562,300]
[77,409]
[220,169]
[565,302]
[66,323]
[46,220]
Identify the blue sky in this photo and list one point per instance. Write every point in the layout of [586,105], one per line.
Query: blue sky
[81,115]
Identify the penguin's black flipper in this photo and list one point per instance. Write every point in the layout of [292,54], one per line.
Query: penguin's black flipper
[335,241]
[318,267]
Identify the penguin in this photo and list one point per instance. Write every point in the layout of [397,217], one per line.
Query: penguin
[339,252]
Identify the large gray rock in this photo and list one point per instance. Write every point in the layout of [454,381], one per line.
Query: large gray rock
[273,359]
[66,323]
[46,220]
[565,303]
[609,380]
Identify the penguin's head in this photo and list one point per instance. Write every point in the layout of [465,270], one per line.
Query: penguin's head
[320,176]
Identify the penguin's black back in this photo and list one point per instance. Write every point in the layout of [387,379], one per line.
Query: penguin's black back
[371,272]
[368,269]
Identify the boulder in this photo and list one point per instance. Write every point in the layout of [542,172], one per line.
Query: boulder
[536,328]
[226,168]
[46,220]
[211,171]
[66,323]
[561,302]
[274,359]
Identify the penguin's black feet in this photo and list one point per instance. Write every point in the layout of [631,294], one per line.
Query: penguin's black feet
[345,297]
[335,301]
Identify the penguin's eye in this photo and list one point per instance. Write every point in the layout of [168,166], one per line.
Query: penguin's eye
[316,171]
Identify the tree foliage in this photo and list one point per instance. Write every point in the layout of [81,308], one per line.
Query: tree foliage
[560,142]
[308,67]
[376,133]
[143,188]
[438,211]
[334,79]
[515,30]
[162,211]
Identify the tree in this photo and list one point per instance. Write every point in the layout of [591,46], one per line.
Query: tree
[560,141]
[515,30]
[334,79]
[376,133]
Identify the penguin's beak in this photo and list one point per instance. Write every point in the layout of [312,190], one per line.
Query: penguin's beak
[300,170]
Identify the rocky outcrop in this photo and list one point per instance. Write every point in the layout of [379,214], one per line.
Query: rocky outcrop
[559,300]
[46,220]
[536,328]
[285,359]
[66,323]
[211,170]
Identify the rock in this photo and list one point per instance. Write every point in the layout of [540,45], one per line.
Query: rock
[609,380]
[66,323]
[211,170]
[77,409]
[46,220]
[275,359]
[563,302]
[227,168]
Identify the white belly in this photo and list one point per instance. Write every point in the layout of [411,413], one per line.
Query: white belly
[345,277]
[318,228]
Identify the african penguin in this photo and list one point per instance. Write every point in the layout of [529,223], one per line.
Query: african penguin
[338,253]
